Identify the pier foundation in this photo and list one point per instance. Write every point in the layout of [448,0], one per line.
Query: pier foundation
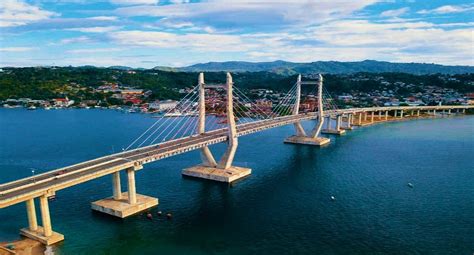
[45,233]
[127,203]
[318,141]
[228,175]
[334,131]
[122,208]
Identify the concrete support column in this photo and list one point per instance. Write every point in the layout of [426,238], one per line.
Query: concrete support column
[401,114]
[328,122]
[338,122]
[394,113]
[45,217]
[380,115]
[228,157]
[372,117]
[296,110]
[434,112]
[449,111]
[317,129]
[349,120]
[463,110]
[206,155]
[418,113]
[132,192]
[386,115]
[31,211]
[116,186]
[365,116]
[360,118]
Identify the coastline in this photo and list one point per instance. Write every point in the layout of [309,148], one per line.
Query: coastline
[23,246]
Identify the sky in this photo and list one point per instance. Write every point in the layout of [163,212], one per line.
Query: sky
[148,33]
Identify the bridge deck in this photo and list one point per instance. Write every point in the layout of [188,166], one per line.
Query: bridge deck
[49,182]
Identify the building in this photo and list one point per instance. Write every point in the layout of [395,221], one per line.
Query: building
[470,98]
[63,102]
[136,92]
[163,105]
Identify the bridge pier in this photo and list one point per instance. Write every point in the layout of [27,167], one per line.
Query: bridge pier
[335,131]
[209,169]
[401,114]
[124,204]
[116,186]
[348,122]
[314,138]
[44,234]
[386,115]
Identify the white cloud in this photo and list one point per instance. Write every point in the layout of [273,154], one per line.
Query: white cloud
[105,18]
[94,50]
[449,9]
[134,2]
[17,13]
[250,14]
[96,29]
[395,13]
[194,41]
[80,39]
[260,55]
[343,40]
[17,49]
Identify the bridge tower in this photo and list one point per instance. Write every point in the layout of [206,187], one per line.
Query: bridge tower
[223,170]
[313,138]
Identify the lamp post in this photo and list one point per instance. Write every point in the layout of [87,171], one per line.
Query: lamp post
[33,174]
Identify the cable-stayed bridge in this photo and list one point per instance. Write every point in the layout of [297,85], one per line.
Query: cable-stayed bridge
[206,115]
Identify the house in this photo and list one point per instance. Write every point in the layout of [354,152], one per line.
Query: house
[63,102]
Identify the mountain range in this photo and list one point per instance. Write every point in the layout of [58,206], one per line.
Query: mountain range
[332,67]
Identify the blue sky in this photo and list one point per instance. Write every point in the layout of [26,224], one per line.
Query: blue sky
[148,33]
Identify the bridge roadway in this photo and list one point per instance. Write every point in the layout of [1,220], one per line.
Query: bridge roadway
[49,182]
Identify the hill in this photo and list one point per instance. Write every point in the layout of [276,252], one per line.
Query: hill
[331,67]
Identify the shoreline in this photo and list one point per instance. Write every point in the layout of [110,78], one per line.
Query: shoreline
[23,246]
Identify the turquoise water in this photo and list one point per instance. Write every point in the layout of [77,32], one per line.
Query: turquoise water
[284,207]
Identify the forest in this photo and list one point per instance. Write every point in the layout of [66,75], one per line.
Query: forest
[46,82]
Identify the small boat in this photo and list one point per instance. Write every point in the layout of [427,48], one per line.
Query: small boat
[32,107]
[410,185]
[333,198]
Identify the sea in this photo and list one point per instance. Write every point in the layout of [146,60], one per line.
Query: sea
[398,188]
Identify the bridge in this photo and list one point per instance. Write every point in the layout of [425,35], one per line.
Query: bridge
[195,124]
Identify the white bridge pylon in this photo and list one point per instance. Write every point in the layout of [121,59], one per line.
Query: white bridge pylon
[301,137]
[209,169]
